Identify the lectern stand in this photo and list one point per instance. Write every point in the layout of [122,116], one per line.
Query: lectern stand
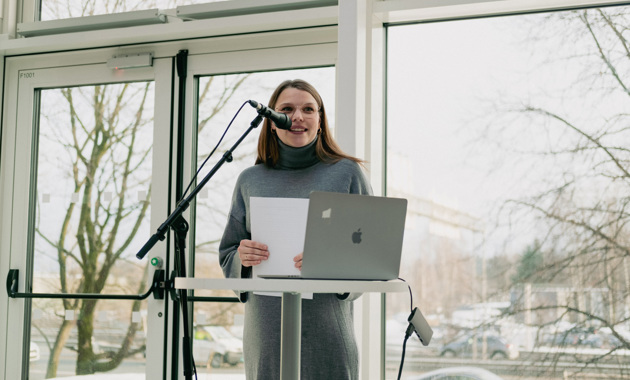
[291,305]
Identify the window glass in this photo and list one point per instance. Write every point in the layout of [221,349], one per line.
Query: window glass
[117,345]
[509,137]
[60,9]
[219,99]
[93,202]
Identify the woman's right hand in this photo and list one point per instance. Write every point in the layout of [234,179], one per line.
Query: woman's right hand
[252,252]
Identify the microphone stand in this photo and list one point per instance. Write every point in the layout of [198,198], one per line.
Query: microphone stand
[180,227]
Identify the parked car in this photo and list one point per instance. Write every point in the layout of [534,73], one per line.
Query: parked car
[496,347]
[457,373]
[565,339]
[215,345]
[580,337]
[602,340]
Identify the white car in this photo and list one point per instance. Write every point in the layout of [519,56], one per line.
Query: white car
[215,345]
[33,352]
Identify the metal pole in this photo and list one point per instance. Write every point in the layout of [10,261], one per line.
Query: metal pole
[291,336]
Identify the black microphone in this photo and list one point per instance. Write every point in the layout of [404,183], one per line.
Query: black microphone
[281,120]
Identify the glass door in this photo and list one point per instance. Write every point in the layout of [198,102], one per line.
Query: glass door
[89,179]
[218,88]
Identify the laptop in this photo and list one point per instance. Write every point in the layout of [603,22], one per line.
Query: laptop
[352,237]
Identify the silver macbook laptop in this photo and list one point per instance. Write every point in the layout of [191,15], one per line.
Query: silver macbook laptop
[352,237]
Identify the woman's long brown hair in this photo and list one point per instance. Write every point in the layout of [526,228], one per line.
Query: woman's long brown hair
[326,148]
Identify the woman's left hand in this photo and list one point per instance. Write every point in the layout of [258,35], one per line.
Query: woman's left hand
[298,261]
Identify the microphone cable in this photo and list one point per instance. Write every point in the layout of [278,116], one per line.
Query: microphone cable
[212,152]
[193,181]
[408,332]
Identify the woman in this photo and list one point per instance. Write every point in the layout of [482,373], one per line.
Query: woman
[291,164]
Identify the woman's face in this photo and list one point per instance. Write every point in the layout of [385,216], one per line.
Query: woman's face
[302,109]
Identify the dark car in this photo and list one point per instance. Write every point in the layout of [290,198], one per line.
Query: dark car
[566,338]
[601,340]
[496,347]
[574,337]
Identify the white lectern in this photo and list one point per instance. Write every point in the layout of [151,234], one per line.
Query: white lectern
[291,290]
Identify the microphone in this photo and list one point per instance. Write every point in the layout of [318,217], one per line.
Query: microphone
[281,120]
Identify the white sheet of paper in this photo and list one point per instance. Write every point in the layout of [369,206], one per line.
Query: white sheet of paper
[281,224]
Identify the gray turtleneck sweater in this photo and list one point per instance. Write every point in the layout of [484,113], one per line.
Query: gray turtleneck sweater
[329,349]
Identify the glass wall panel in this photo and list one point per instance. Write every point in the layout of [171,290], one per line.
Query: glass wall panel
[217,344]
[509,136]
[94,160]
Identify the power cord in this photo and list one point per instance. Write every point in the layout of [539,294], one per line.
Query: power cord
[402,358]
[417,324]
[407,333]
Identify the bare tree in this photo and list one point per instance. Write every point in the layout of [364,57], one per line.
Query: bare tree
[58,9]
[105,133]
[575,135]
[107,163]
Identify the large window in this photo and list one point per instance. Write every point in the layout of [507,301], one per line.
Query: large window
[509,136]
[217,344]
